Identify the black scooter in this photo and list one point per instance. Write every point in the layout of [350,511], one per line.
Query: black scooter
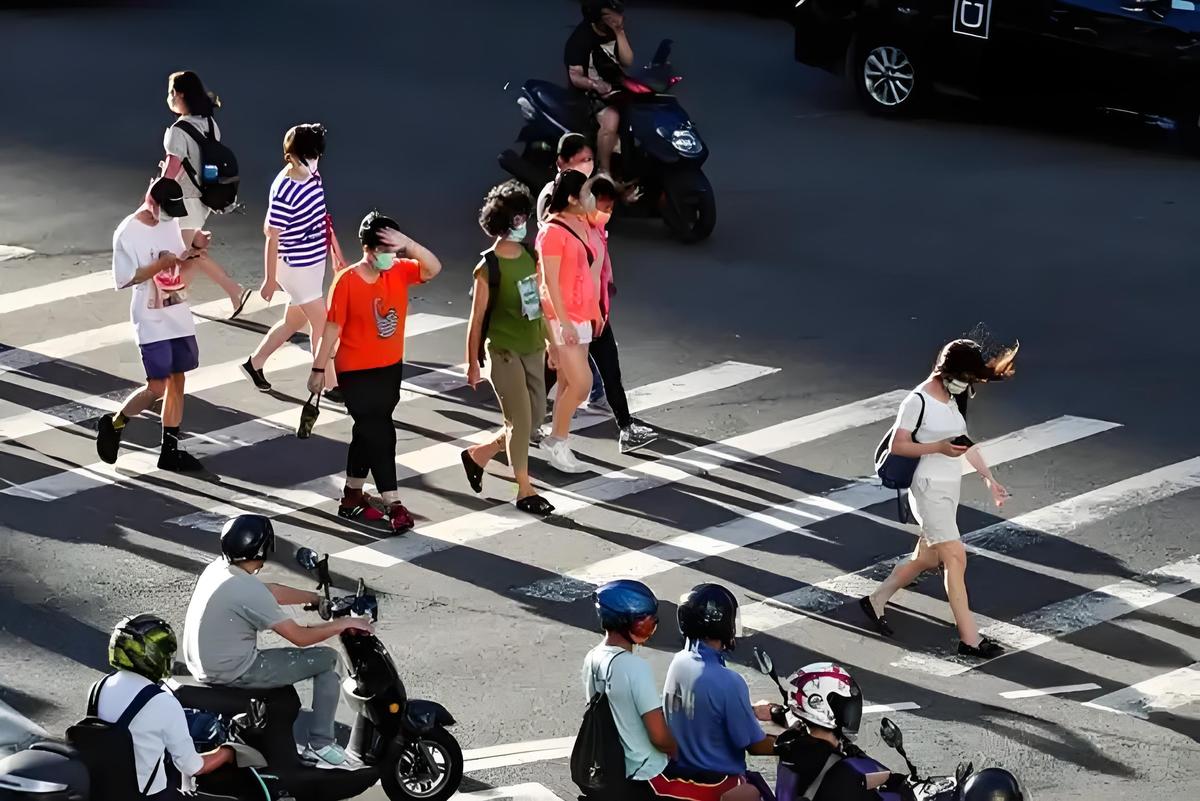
[660,148]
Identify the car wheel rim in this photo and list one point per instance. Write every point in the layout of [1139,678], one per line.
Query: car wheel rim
[888,75]
[414,775]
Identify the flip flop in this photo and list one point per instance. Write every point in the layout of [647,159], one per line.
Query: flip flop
[535,505]
[474,472]
[879,621]
[241,304]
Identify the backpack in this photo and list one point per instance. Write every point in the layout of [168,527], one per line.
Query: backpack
[107,748]
[598,758]
[493,283]
[218,179]
[896,472]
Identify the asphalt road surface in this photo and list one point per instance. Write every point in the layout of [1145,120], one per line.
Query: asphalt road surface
[770,357]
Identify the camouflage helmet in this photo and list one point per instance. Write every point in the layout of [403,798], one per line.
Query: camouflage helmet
[144,644]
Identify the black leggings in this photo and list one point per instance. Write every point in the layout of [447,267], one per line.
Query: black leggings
[603,351]
[371,397]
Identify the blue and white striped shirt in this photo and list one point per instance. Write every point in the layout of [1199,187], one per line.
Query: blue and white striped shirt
[297,208]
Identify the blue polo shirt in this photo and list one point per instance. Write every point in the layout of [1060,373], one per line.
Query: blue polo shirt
[708,711]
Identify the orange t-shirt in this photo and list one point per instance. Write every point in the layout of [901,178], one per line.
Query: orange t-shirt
[575,279]
[371,316]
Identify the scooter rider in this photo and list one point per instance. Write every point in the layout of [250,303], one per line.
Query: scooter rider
[708,706]
[596,57]
[229,607]
[142,650]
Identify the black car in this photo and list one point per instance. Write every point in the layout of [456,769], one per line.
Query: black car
[1134,55]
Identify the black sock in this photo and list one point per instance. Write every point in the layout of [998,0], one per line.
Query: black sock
[170,438]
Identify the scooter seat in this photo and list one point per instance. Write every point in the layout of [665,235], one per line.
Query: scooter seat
[561,104]
[225,700]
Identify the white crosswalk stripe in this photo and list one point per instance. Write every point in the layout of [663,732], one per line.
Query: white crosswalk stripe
[21,299]
[1163,693]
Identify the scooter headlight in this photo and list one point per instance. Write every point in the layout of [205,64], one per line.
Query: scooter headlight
[683,140]
[526,108]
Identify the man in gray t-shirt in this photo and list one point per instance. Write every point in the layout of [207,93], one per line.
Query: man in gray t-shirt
[230,606]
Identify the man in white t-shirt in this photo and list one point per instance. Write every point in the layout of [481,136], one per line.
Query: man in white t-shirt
[149,259]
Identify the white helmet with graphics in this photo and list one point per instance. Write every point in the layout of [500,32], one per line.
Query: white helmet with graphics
[825,695]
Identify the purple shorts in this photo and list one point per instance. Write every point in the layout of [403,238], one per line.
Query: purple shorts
[168,356]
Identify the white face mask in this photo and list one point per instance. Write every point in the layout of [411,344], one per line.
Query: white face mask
[955,386]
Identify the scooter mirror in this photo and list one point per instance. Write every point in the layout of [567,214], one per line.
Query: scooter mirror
[965,769]
[307,558]
[663,53]
[765,665]
[891,734]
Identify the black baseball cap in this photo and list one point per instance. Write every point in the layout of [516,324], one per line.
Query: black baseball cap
[167,193]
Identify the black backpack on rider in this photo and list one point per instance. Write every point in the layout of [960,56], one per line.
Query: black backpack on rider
[107,748]
[598,758]
[218,177]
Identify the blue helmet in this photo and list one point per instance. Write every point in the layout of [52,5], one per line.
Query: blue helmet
[627,607]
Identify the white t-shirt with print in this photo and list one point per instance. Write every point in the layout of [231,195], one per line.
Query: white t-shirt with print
[179,144]
[941,421]
[156,314]
[160,727]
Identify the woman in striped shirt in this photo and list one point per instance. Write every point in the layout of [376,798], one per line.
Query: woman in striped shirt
[296,250]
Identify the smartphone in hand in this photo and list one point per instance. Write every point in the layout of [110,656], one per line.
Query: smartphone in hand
[962,440]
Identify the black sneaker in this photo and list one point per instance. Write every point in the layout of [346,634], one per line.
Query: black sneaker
[108,439]
[335,396]
[987,649]
[178,461]
[255,377]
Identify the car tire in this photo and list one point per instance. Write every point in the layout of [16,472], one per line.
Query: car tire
[886,74]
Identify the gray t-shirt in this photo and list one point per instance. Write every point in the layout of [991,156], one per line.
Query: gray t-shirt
[183,147]
[229,607]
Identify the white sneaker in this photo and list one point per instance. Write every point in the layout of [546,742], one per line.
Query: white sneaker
[561,457]
[332,757]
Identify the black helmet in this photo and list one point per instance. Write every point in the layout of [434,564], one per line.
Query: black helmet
[710,612]
[992,784]
[144,644]
[593,9]
[247,537]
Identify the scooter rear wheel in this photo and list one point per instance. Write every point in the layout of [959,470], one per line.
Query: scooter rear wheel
[405,774]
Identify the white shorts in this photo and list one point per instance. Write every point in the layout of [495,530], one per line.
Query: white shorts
[935,506]
[583,329]
[197,215]
[303,284]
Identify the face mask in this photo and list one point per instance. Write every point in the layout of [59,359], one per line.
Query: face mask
[312,165]
[585,167]
[955,386]
[518,234]
[384,261]
[600,218]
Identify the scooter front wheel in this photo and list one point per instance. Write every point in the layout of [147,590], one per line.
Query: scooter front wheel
[429,767]
[689,207]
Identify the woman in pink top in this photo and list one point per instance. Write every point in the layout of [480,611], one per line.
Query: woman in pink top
[570,300]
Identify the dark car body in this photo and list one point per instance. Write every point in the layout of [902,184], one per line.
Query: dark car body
[1138,55]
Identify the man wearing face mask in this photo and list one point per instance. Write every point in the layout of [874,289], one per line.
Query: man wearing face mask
[230,606]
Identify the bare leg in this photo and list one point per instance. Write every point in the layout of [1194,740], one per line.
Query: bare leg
[923,558]
[142,399]
[314,312]
[574,384]
[954,556]
[172,414]
[606,138]
[215,272]
[744,792]
[293,320]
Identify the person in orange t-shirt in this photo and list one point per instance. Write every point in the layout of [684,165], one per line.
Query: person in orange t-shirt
[368,304]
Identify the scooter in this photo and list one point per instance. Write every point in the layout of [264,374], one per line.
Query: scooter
[659,147]
[787,783]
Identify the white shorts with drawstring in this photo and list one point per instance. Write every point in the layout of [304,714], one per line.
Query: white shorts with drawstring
[935,506]
[302,284]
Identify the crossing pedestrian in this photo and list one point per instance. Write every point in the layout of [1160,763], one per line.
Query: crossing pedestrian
[368,304]
[299,238]
[508,330]
[931,426]
[150,257]
[569,301]
[603,348]
[195,107]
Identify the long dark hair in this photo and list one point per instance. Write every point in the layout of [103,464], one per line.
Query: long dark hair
[966,360]
[567,185]
[188,85]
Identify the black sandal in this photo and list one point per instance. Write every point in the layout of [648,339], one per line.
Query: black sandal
[242,304]
[535,505]
[879,621]
[474,472]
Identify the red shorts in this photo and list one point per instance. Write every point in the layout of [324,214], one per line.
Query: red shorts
[693,790]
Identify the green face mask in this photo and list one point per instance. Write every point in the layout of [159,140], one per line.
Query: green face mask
[384,261]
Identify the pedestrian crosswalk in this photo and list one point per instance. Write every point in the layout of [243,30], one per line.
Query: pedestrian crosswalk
[745,507]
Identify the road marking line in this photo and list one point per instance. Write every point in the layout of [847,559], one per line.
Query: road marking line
[1068,616]
[619,483]
[55,291]
[508,749]
[753,527]
[441,455]
[1014,695]
[530,791]
[1058,519]
[1161,693]
[13,252]
[878,709]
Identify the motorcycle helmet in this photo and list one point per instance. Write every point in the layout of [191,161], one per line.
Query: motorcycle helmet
[144,644]
[710,612]
[593,10]
[825,695]
[628,608]
[247,537]
[992,784]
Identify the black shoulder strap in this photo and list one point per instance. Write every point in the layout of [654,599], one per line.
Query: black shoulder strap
[493,282]
[199,139]
[591,256]
[93,704]
[136,705]
[920,415]
[493,268]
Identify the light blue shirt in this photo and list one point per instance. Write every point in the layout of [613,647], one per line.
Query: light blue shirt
[631,693]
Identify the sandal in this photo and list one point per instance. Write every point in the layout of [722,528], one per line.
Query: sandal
[535,505]
[474,472]
[879,621]
[241,304]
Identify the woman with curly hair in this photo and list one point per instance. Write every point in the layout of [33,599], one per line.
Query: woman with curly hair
[506,332]
[932,427]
